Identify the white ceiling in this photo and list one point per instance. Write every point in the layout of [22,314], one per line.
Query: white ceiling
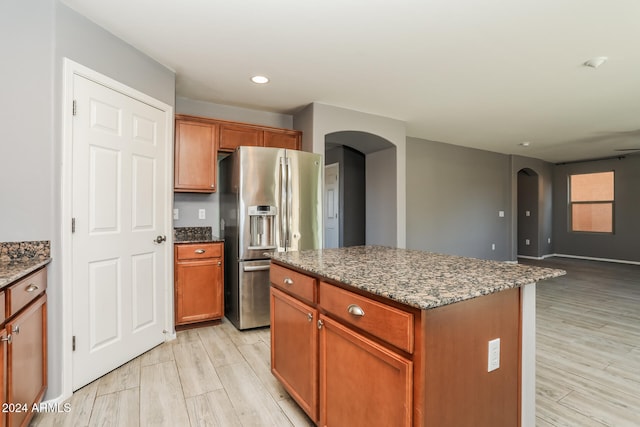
[488,74]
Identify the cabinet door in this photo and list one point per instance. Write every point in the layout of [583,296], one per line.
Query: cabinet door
[198,291]
[361,382]
[27,361]
[294,349]
[282,139]
[195,157]
[233,136]
[3,372]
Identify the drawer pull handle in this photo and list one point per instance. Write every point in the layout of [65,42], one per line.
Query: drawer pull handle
[16,329]
[31,288]
[199,251]
[8,339]
[355,310]
[288,281]
[310,317]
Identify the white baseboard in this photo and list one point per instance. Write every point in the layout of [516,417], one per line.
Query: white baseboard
[619,261]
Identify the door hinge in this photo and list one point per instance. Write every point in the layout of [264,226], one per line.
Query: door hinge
[73,343]
[74,109]
[73,225]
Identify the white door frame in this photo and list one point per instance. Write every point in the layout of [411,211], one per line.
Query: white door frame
[71,68]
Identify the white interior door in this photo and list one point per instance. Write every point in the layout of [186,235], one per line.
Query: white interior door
[332,211]
[119,201]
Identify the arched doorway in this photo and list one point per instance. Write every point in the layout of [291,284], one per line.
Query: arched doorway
[528,243]
[365,167]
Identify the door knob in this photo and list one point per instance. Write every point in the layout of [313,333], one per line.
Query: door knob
[160,239]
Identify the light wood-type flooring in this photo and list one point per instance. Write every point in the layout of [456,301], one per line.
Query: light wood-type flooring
[588,366]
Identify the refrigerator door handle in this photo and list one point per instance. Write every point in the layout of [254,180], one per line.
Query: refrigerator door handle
[282,215]
[289,204]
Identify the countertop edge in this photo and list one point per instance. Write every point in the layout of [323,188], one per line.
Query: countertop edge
[30,267]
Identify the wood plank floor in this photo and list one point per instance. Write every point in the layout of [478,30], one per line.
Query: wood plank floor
[588,366]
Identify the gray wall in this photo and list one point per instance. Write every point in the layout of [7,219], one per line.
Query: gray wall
[624,243]
[454,195]
[352,185]
[35,37]
[188,204]
[382,213]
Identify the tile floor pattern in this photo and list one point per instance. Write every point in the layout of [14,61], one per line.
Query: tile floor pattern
[588,366]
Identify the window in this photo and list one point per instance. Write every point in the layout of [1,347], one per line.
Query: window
[591,201]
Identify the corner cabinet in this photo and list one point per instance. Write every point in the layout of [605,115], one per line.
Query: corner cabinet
[23,353]
[199,282]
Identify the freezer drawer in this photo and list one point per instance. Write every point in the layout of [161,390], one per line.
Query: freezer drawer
[249,299]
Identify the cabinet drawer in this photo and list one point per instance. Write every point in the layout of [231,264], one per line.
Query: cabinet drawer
[198,251]
[299,285]
[25,291]
[387,323]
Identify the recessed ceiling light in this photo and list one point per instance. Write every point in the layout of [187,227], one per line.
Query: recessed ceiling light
[525,143]
[260,79]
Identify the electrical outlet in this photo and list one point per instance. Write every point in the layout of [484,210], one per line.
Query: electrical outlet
[501,214]
[176,214]
[527,213]
[549,240]
[494,355]
[202,214]
[527,242]
[493,246]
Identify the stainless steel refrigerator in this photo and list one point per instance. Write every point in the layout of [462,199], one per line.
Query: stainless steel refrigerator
[270,200]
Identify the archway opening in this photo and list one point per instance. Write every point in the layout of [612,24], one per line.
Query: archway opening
[360,208]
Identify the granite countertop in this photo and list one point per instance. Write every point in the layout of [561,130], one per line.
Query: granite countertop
[419,279]
[17,259]
[194,235]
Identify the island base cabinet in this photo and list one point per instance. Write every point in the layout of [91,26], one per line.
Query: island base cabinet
[361,382]
[27,374]
[294,341]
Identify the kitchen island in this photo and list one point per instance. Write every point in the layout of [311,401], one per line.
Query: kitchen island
[373,335]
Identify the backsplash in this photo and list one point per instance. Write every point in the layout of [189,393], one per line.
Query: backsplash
[184,234]
[13,251]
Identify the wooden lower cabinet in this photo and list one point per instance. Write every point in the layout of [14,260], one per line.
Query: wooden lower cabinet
[26,361]
[199,283]
[294,339]
[362,383]
[368,361]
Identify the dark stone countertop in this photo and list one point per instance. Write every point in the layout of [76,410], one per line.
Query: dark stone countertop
[18,259]
[419,279]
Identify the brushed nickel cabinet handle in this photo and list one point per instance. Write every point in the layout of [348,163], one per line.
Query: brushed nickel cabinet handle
[8,339]
[355,310]
[310,317]
[219,262]
[320,324]
[199,251]
[16,329]
[31,288]
[288,281]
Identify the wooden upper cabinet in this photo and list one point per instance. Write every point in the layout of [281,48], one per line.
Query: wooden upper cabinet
[233,136]
[195,156]
[282,139]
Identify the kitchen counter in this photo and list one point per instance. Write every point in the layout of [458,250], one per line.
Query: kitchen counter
[194,235]
[390,311]
[17,259]
[423,280]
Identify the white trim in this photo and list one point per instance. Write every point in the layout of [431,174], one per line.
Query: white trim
[619,261]
[528,367]
[71,68]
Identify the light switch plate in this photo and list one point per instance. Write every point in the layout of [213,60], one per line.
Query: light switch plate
[202,214]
